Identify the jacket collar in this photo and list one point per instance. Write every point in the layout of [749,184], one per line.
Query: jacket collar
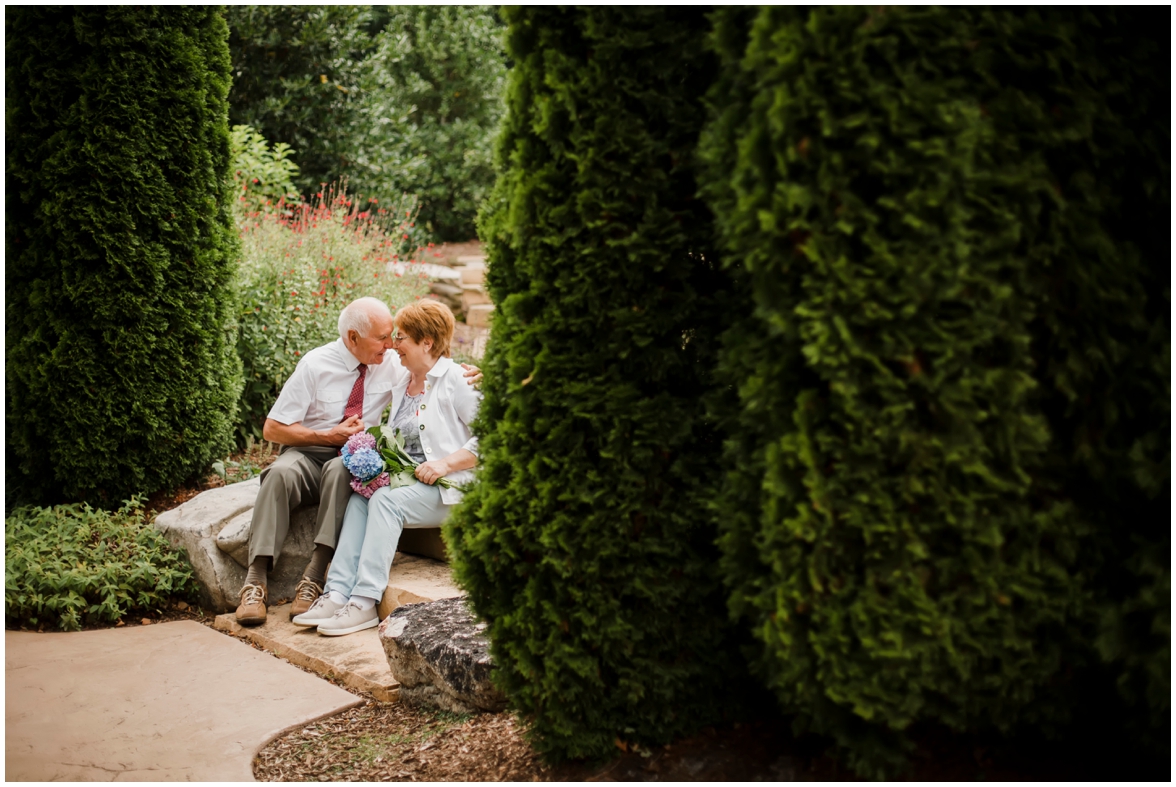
[441,368]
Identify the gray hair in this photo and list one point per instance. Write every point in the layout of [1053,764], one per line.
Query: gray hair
[357,316]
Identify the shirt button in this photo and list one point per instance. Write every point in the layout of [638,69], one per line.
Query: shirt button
[422,427]
[428,450]
[422,407]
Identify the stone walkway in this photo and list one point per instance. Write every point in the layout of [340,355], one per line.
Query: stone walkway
[168,702]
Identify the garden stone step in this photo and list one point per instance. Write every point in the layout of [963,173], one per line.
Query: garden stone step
[427,270]
[473,274]
[357,660]
[479,316]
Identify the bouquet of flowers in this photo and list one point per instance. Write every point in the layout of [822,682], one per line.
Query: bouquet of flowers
[377,460]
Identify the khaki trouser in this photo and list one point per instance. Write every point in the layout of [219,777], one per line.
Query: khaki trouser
[299,476]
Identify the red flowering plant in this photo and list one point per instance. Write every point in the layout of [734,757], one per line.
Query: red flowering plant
[302,262]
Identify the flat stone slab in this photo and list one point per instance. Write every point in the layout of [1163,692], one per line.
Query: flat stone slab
[415,579]
[427,270]
[357,660]
[167,702]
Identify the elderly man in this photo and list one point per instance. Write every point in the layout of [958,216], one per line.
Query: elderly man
[335,391]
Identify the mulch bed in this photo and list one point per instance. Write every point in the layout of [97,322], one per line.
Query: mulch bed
[388,741]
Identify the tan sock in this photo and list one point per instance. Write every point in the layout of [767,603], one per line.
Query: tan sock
[316,570]
[256,573]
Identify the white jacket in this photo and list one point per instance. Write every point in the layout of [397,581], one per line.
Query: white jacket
[447,410]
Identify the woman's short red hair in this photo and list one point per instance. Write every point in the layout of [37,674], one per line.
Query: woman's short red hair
[427,319]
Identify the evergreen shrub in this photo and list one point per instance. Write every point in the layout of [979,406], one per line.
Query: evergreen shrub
[587,543]
[70,565]
[953,372]
[121,372]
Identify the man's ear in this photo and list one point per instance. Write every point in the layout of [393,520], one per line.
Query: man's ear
[352,337]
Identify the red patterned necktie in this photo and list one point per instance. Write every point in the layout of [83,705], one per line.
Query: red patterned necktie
[355,401]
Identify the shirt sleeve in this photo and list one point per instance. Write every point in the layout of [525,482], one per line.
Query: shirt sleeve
[294,401]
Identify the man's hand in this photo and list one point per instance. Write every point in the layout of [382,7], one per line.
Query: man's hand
[340,434]
[299,435]
[429,472]
[472,374]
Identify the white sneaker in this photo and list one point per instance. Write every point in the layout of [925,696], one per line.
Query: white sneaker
[322,610]
[349,620]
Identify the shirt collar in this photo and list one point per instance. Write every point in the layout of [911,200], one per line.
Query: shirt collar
[349,360]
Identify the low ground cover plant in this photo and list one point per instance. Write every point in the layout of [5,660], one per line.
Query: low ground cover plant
[71,565]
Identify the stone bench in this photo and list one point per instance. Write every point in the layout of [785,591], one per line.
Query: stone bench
[213,528]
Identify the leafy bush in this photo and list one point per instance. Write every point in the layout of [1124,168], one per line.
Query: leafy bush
[297,73]
[262,173]
[69,565]
[587,543]
[431,100]
[121,372]
[953,373]
[301,264]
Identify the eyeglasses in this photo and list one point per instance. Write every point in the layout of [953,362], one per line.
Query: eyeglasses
[398,338]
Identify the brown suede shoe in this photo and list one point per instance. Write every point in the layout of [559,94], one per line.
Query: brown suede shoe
[252,609]
[305,594]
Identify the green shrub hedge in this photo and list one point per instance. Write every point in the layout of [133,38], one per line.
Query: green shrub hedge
[587,544]
[951,440]
[70,565]
[121,372]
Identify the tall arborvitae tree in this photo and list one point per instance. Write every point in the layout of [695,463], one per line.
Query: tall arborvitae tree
[121,375]
[952,419]
[588,543]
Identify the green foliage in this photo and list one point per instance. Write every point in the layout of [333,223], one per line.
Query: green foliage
[250,462]
[296,77]
[431,102]
[262,174]
[120,372]
[587,543]
[394,99]
[72,565]
[953,383]
[301,264]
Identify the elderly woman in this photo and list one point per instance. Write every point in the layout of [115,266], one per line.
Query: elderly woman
[433,407]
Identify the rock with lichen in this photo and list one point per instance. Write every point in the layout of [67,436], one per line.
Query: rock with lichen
[440,656]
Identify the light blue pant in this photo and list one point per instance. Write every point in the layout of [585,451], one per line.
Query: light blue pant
[371,530]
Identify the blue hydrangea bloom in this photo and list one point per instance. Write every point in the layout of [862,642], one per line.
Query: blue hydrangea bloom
[365,464]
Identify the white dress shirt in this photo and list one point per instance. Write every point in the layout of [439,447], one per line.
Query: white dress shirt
[316,393]
[446,412]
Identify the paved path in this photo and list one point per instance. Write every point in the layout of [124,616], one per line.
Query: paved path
[166,702]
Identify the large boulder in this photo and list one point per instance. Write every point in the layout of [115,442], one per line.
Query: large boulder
[213,528]
[440,656]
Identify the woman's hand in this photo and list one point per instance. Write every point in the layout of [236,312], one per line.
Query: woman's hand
[429,472]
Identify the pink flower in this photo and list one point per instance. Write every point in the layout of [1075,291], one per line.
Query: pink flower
[369,489]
